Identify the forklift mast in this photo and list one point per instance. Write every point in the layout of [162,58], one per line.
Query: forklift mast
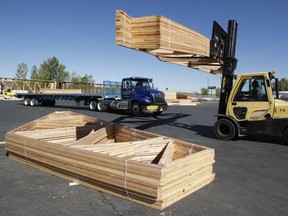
[223,47]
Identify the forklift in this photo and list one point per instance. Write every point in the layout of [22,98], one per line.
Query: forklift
[248,106]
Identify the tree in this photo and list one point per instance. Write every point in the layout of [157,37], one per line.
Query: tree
[81,82]
[22,71]
[283,84]
[51,69]
[204,91]
[34,73]
[75,78]
[87,79]
[217,92]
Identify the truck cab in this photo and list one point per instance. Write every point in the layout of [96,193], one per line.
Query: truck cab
[251,113]
[138,96]
[134,94]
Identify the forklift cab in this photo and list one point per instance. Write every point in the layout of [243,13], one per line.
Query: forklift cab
[251,89]
[251,98]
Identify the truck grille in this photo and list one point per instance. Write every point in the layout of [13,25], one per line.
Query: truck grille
[159,98]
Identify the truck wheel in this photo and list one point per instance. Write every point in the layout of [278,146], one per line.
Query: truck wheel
[93,105]
[136,109]
[285,135]
[33,102]
[26,102]
[224,129]
[101,106]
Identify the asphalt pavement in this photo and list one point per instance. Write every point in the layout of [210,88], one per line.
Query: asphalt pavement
[251,172]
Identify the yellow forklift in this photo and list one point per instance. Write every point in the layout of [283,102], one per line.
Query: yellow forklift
[8,91]
[248,106]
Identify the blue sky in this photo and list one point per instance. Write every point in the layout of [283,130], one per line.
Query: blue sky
[81,34]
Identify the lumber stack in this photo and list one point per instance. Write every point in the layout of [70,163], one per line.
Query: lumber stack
[166,39]
[142,167]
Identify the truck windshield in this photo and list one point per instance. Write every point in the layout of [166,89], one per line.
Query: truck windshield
[140,83]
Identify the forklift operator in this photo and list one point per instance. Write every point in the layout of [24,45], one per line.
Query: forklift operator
[255,91]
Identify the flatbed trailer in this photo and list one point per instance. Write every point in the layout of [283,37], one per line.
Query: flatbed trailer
[134,94]
[47,99]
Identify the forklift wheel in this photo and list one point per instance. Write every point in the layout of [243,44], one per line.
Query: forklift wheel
[224,129]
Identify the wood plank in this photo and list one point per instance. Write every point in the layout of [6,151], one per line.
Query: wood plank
[146,170]
[153,170]
[167,156]
[96,136]
[158,205]
[111,178]
[153,33]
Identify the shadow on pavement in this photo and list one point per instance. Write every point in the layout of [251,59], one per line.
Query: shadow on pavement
[202,130]
[149,120]
[170,119]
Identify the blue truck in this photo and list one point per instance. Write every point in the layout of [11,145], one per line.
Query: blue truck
[134,94]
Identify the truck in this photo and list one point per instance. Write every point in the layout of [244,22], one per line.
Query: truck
[241,112]
[134,94]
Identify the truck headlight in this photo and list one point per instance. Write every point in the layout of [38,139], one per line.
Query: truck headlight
[148,100]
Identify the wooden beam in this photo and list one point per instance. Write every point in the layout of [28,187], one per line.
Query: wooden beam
[126,169]
[167,156]
[167,40]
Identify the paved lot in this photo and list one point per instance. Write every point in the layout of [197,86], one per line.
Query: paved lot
[251,173]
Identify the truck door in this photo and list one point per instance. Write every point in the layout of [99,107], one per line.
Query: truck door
[126,89]
[250,99]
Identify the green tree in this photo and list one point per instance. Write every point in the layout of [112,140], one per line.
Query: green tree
[34,73]
[204,91]
[84,83]
[217,92]
[283,84]
[87,79]
[75,78]
[22,71]
[51,69]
